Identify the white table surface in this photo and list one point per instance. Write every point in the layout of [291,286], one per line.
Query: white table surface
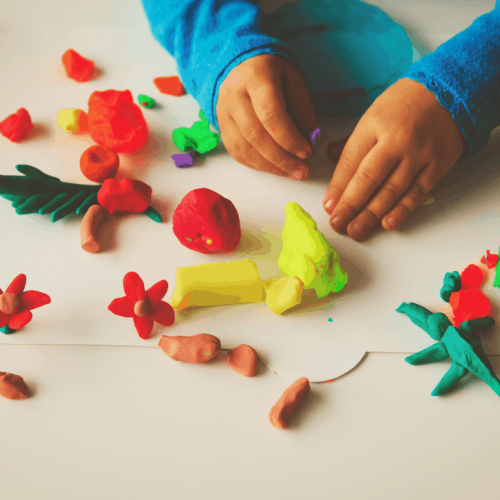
[126,421]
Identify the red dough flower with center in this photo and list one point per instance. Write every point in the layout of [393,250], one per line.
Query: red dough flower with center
[16,304]
[144,306]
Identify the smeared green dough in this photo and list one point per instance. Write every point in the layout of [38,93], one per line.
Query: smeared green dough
[308,255]
[283,294]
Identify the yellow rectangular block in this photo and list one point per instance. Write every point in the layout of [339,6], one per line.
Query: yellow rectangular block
[217,284]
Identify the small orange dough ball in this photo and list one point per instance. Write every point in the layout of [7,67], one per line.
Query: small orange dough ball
[99,163]
[243,360]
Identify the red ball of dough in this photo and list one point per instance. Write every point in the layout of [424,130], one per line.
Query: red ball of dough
[99,163]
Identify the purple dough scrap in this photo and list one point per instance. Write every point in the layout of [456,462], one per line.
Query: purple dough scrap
[183,160]
[315,136]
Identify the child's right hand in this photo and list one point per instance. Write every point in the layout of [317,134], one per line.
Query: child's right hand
[260,104]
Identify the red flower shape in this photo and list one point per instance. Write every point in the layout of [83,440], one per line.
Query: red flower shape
[469,304]
[471,277]
[126,195]
[16,304]
[144,306]
[490,259]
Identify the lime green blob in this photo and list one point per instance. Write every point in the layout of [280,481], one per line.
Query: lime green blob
[198,138]
[145,101]
[496,283]
[308,255]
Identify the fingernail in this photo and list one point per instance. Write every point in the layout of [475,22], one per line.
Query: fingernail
[392,222]
[358,228]
[336,221]
[298,174]
[303,155]
[329,206]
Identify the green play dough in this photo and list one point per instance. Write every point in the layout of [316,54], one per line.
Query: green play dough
[308,255]
[198,137]
[496,283]
[146,101]
[451,283]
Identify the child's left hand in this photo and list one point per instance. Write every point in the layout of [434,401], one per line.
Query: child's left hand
[401,147]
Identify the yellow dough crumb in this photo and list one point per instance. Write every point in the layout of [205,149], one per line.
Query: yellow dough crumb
[73,120]
[217,284]
[283,294]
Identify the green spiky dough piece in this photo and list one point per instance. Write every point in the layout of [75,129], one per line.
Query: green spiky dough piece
[308,255]
[153,214]
[54,203]
[198,137]
[18,202]
[87,203]
[33,204]
[69,207]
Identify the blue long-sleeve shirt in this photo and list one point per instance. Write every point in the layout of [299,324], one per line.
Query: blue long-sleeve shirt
[208,38]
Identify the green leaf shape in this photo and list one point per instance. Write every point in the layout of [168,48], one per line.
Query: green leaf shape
[32,204]
[153,214]
[69,207]
[88,202]
[35,173]
[54,203]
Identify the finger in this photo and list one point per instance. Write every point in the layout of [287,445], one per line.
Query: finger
[356,148]
[255,134]
[372,171]
[413,197]
[270,107]
[385,198]
[242,151]
[299,102]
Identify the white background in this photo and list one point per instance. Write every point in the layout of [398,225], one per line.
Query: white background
[127,422]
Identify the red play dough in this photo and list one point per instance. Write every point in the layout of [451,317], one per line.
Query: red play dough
[243,360]
[116,122]
[77,67]
[13,386]
[16,126]
[99,163]
[170,85]
[125,195]
[490,259]
[469,304]
[195,349]
[283,411]
[471,277]
[207,222]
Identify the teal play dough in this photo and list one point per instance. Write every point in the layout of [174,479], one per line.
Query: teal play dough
[462,345]
[451,283]
[343,45]
[308,255]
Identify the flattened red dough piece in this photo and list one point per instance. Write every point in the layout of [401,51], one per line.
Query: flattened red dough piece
[195,349]
[13,386]
[170,85]
[16,126]
[243,360]
[77,67]
[99,163]
[282,412]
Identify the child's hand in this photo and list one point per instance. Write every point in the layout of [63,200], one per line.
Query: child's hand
[261,106]
[401,147]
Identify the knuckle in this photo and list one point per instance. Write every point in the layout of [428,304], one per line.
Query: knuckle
[366,178]
[418,191]
[285,164]
[254,134]
[392,190]
[269,115]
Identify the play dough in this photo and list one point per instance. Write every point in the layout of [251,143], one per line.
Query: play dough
[490,259]
[184,160]
[195,349]
[471,277]
[125,195]
[16,305]
[73,120]
[89,228]
[116,122]
[451,283]
[462,344]
[243,360]
[283,294]
[216,284]
[77,67]
[99,163]
[144,306]
[16,126]
[198,137]
[284,409]
[207,222]
[308,255]
[13,386]
[170,85]
[145,101]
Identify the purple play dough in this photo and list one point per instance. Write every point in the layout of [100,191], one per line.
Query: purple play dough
[183,160]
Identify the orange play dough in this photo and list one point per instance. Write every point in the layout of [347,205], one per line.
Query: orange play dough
[243,360]
[99,163]
[89,228]
[282,412]
[13,386]
[195,349]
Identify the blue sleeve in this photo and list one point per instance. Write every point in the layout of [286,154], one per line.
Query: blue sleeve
[464,74]
[208,38]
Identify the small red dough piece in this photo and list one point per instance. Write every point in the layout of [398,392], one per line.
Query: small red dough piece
[243,360]
[125,195]
[31,299]
[471,277]
[286,406]
[170,85]
[116,122]
[16,126]
[13,386]
[77,67]
[469,304]
[490,259]
[17,285]
[206,222]
[199,348]
[99,163]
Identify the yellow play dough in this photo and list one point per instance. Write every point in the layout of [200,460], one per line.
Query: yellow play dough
[217,284]
[283,294]
[73,120]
